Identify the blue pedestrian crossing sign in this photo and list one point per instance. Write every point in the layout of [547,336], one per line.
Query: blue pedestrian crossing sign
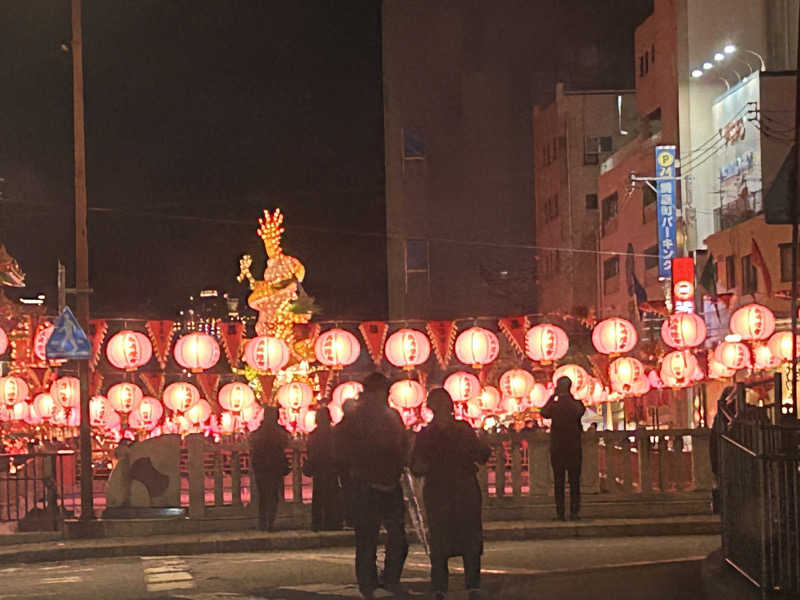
[68,340]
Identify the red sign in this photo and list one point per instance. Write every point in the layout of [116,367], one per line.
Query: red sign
[683,284]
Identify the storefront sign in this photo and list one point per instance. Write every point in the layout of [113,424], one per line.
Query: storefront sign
[667,209]
[683,284]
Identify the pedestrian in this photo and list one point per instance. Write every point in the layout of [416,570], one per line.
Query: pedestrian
[348,408]
[269,464]
[322,467]
[565,413]
[446,453]
[374,446]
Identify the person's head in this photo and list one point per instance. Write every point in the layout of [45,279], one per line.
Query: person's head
[441,404]
[323,418]
[564,386]
[349,407]
[376,388]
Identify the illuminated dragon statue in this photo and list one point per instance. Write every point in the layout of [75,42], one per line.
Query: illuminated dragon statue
[13,276]
[278,297]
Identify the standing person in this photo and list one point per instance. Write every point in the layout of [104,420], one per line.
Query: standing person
[348,409]
[321,465]
[269,464]
[565,413]
[447,453]
[374,446]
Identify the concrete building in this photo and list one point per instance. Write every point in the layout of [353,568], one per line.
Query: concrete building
[572,136]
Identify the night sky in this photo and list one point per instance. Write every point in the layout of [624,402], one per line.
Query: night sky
[199,114]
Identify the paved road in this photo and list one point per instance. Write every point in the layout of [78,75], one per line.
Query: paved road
[658,568]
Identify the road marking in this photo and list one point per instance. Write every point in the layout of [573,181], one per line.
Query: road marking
[165,557]
[163,577]
[174,585]
[171,568]
[169,573]
[68,579]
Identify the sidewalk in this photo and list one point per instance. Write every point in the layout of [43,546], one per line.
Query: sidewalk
[38,547]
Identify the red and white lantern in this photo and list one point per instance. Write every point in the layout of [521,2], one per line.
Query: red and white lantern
[579,377]
[477,347]
[13,389]
[462,386]
[780,345]
[45,405]
[337,348]
[181,396]
[66,391]
[98,411]
[295,395]
[516,383]
[716,370]
[124,397]
[346,391]
[146,414]
[678,368]
[407,348]
[198,413]
[734,355]
[3,341]
[545,343]
[488,399]
[753,322]
[235,396]
[266,353]
[406,393]
[129,350]
[624,372]
[764,359]
[683,330]
[196,351]
[539,395]
[614,336]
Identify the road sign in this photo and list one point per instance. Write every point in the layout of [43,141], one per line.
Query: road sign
[68,339]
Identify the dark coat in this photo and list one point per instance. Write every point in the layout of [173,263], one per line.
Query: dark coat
[565,413]
[267,454]
[447,454]
[326,500]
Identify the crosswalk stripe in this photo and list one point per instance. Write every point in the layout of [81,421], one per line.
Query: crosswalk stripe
[166,569]
[68,579]
[162,577]
[173,585]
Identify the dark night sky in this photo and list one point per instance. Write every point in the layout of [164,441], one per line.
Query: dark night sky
[201,113]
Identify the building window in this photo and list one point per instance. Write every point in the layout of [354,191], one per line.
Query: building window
[591,201]
[609,211]
[413,144]
[646,62]
[605,143]
[653,53]
[651,258]
[749,276]
[641,66]
[416,256]
[730,271]
[551,208]
[610,273]
[786,262]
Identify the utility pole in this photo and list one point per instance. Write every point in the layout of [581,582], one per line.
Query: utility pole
[794,214]
[81,256]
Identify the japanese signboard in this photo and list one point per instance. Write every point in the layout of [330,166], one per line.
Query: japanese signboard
[666,209]
[683,284]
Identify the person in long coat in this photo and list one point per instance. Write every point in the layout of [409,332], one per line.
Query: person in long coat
[321,465]
[565,413]
[446,453]
[269,464]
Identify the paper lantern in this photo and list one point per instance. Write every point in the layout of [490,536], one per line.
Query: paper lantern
[3,341]
[98,411]
[66,417]
[336,413]
[129,350]
[295,395]
[198,413]
[181,396]
[66,391]
[266,353]
[488,399]
[678,368]
[578,376]
[40,339]
[337,348]
[683,330]
[124,397]
[516,383]
[655,379]
[32,417]
[13,389]
[510,405]
[640,387]
[472,410]
[539,395]
[462,386]
[112,422]
[734,355]
[307,421]
[407,348]
[196,352]
[546,343]
[716,370]
[764,359]
[477,346]
[226,423]
[753,322]
[346,391]
[146,414]
[19,411]
[597,393]
[614,336]
[235,396]
[251,412]
[406,393]
[780,345]
[45,405]
[624,372]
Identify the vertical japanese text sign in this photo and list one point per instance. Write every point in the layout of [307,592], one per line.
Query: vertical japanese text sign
[665,194]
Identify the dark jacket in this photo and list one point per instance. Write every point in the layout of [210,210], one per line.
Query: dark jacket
[565,413]
[267,454]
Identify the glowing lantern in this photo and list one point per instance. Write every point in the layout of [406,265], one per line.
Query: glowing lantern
[98,411]
[578,376]
[67,391]
[196,352]
[346,391]
[44,405]
[462,386]
[655,380]
[13,389]
[19,411]
[488,399]
[510,405]
[40,339]
[181,396]
[516,383]
[734,355]
[546,343]
[640,387]
[307,422]
[66,417]
[683,330]
[716,370]
[407,348]
[129,350]
[3,341]
[764,359]
[597,393]
[32,417]
[235,396]
[146,413]
[472,411]
[780,345]
[112,420]
[337,348]
[614,336]
[336,413]
[124,397]
[406,394]
[539,395]
[678,368]
[266,353]
[295,395]
[753,322]
[252,412]
[198,413]
[624,372]
[477,346]
[226,423]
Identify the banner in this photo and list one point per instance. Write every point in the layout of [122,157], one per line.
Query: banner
[97,333]
[160,333]
[95,383]
[442,335]
[374,334]
[666,209]
[154,382]
[515,328]
[232,335]
[208,383]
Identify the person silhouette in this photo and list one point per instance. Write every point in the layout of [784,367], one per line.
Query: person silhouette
[321,465]
[269,464]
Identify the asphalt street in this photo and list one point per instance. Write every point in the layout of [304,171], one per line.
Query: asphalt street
[655,568]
